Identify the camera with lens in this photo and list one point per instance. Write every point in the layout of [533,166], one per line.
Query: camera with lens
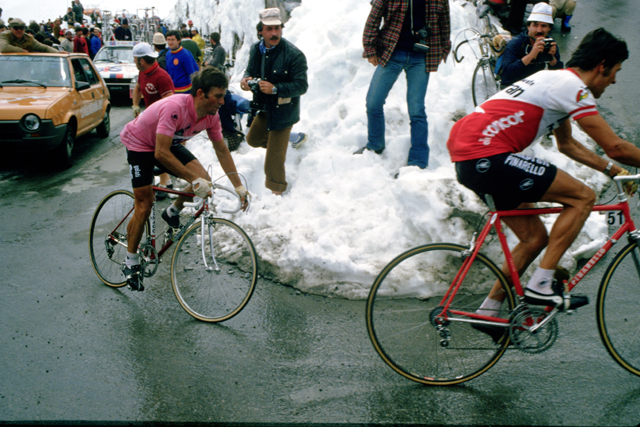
[545,55]
[254,85]
[420,38]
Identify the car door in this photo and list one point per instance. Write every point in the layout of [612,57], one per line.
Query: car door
[90,108]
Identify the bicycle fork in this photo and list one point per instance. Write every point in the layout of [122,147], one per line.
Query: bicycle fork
[205,225]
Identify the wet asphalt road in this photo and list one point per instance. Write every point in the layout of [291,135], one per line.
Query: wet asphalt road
[72,349]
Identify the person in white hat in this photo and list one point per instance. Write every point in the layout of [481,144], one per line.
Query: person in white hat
[160,45]
[282,70]
[530,51]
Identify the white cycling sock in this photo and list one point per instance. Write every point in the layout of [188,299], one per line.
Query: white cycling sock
[489,307]
[131,260]
[541,281]
[172,210]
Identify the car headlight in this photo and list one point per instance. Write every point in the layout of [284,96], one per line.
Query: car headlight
[31,122]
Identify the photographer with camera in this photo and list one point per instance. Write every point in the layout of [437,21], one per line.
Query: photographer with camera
[277,76]
[415,37]
[532,50]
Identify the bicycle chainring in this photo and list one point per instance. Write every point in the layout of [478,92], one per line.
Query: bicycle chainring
[523,319]
[150,259]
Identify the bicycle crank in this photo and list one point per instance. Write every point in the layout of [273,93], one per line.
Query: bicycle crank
[531,331]
[150,259]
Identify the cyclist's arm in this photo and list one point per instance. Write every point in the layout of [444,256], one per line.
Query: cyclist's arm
[164,155]
[615,147]
[226,161]
[573,149]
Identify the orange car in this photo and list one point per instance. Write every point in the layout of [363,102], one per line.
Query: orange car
[49,99]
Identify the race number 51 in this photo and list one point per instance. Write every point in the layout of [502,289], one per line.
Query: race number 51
[615,218]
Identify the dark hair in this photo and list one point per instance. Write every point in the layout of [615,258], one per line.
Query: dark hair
[160,46]
[85,30]
[185,33]
[597,46]
[215,37]
[206,79]
[150,60]
[260,26]
[174,33]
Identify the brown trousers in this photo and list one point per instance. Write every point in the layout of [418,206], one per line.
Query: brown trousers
[276,142]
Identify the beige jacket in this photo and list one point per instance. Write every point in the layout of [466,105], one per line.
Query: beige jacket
[9,43]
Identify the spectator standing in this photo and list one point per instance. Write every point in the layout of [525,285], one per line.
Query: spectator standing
[67,43]
[96,42]
[276,98]
[15,40]
[191,46]
[154,83]
[409,26]
[56,28]
[218,56]
[563,9]
[80,41]
[180,63]
[70,17]
[525,54]
[196,37]
[160,45]
[123,32]
[78,10]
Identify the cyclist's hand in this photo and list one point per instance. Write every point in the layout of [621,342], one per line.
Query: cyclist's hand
[136,110]
[630,187]
[201,187]
[245,196]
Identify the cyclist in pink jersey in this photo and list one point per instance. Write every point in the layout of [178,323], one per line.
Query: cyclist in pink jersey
[155,139]
[485,146]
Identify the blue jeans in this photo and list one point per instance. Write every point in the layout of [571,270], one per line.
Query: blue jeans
[413,64]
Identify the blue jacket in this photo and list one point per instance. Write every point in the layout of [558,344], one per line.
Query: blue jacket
[96,44]
[513,69]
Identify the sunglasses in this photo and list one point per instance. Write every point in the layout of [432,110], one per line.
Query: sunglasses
[18,28]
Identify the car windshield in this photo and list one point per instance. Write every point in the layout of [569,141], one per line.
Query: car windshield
[34,70]
[115,54]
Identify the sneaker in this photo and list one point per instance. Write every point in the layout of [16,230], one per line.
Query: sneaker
[171,195]
[134,277]
[173,221]
[557,299]
[361,150]
[495,332]
[302,138]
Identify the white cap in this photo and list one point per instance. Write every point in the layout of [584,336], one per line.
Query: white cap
[541,12]
[144,49]
[270,16]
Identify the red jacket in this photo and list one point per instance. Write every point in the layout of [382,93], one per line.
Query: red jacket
[80,45]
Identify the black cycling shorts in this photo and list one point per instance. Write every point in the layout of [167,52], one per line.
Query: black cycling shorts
[510,179]
[141,164]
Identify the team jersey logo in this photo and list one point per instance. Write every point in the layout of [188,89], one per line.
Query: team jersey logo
[582,94]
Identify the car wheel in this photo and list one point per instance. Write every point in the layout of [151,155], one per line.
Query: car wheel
[104,128]
[64,150]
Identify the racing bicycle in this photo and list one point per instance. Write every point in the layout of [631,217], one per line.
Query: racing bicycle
[421,310]
[485,81]
[214,268]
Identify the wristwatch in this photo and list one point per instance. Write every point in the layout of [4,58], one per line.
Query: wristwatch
[274,91]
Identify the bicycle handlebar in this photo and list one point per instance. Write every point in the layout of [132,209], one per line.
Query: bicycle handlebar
[197,201]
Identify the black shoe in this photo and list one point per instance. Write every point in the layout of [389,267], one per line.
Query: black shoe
[565,29]
[495,332]
[134,277]
[161,195]
[173,221]
[361,150]
[556,299]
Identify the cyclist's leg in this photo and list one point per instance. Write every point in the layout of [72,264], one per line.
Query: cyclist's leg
[578,201]
[143,202]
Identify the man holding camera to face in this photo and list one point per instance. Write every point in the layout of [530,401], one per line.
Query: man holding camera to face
[532,50]
[415,37]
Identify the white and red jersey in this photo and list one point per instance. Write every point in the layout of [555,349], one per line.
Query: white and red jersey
[512,119]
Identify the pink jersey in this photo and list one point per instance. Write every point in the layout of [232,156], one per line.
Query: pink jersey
[174,116]
[512,119]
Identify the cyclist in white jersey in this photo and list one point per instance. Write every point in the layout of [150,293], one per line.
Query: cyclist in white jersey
[484,146]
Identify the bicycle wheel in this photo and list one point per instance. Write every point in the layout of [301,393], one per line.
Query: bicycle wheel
[215,285]
[404,300]
[483,85]
[108,236]
[617,311]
